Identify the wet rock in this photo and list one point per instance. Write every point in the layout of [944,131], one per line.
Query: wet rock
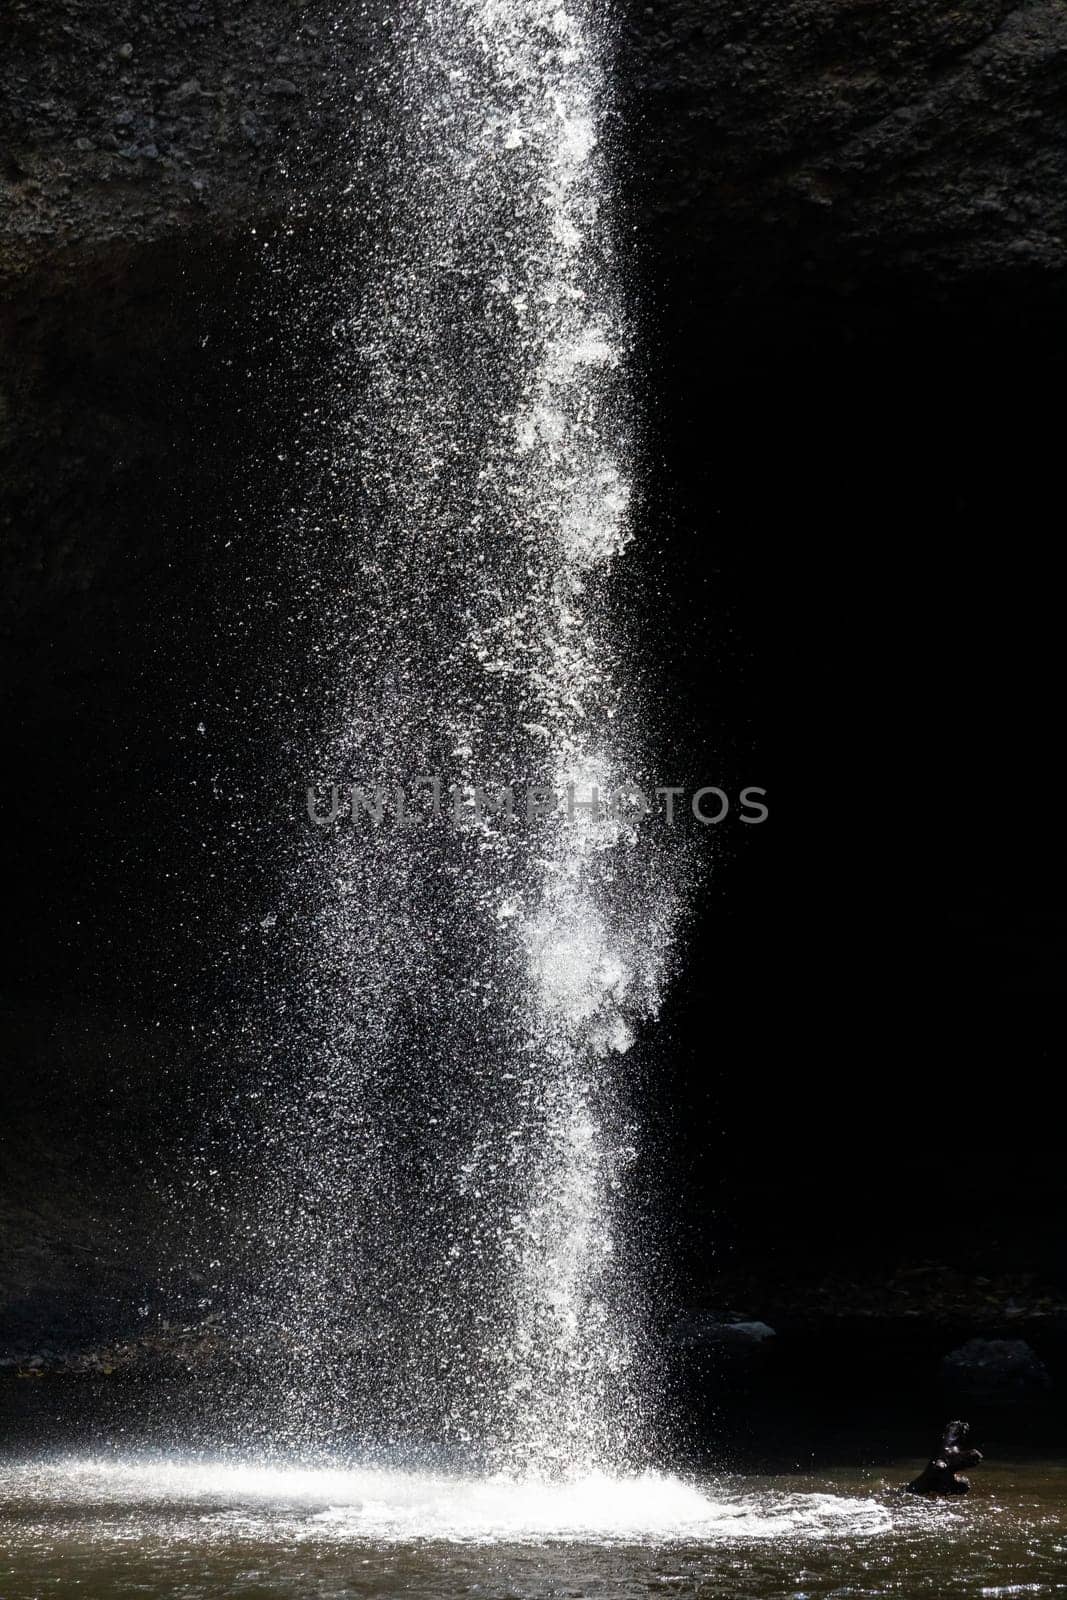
[706,1331]
[999,1372]
[944,1472]
[753,1332]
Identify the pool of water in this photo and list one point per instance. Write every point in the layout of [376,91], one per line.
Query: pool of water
[183,1529]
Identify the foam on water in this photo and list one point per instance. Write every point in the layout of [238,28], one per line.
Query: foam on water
[275,1504]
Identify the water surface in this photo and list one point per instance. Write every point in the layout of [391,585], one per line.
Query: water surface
[159,1528]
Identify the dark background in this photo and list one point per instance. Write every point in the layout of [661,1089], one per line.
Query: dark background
[863,616]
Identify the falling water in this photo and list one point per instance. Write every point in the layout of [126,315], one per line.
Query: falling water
[449,1135]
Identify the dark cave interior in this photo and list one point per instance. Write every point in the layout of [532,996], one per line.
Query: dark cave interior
[850,503]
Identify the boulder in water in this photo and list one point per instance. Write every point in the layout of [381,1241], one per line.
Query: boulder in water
[997,1372]
[703,1330]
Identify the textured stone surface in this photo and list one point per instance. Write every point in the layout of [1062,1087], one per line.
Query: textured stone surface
[198,120]
[766,150]
[875,136]
[839,134]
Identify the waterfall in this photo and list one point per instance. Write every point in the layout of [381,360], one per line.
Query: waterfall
[449,1141]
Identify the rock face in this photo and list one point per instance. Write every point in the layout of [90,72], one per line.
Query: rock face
[844,137]
[138,155]
[124,126]
[764,149]
[811,135]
